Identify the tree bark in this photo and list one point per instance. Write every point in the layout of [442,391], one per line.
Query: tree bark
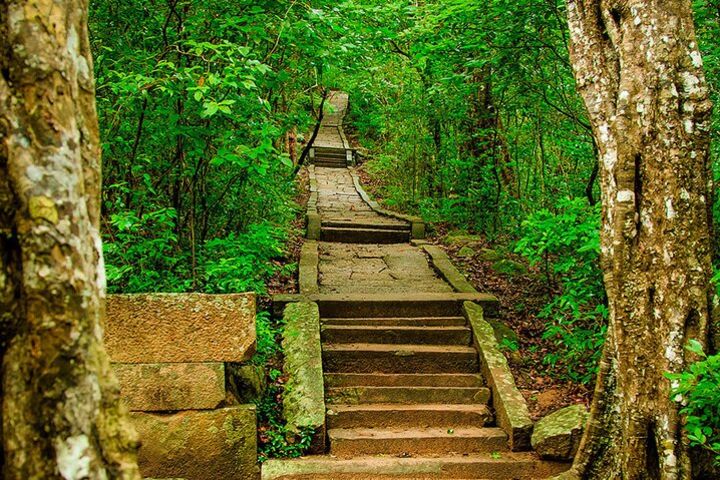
[640,74]
[61,411]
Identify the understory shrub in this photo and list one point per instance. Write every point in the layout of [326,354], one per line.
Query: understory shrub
[697,389]
[565,243]
[143,254]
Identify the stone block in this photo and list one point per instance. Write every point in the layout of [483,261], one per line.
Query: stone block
[557,436]
[152,387]
[313,226]
[511,411]
[199,445]
[180,328]
[304,398]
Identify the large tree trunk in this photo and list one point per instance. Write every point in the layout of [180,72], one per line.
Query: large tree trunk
[640,74]
[61,412]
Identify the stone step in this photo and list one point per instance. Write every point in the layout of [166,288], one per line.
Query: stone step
[378,305]
[363,235]
[381,358]
[399,321]
[407,395]
[504,466]
[322,150]
[365,225]
[352,442]
[396,334]
[334,380]
[385,415]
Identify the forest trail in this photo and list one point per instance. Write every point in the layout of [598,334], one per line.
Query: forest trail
[404,392]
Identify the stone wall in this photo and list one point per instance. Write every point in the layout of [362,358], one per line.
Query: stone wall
[170,353]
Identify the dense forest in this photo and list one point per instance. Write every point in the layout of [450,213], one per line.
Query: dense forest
[464,113]
[476,117]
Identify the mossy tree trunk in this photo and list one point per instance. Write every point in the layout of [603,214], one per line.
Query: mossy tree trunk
[639,71]
[61,414]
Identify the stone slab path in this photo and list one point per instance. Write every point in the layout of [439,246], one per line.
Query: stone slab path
[338,200]
[403,388]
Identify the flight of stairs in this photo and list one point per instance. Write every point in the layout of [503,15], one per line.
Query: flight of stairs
[405,399]
[330,157]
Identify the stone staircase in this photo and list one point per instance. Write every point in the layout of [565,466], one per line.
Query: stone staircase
[405,399]
[330,157]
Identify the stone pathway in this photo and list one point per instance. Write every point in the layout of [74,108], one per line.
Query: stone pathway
[404,392]
[370,268]
[330,142]
[338,201]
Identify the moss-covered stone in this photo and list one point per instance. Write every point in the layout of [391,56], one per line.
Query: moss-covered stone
[461,238]
[490,255]
[557,436]
[199,444]
[152,387]
[509,267]
[246,382]
[502,331]
[466,252]
[303,401]
[512,414]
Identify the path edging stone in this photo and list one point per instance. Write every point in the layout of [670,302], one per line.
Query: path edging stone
[304,397]
[308,268]
[417,225]
[449,272]
[312,217]
[511,411]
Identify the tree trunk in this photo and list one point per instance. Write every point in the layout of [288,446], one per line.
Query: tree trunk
[639,71]
[61,412]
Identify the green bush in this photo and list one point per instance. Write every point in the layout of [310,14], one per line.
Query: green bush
[566,244]
[697,389]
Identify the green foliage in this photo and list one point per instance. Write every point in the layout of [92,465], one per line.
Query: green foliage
[268,338]
[566,244]
[276,441]
[697,389]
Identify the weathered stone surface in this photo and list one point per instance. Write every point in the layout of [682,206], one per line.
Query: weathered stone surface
[152,387]
[373,268]
[308,269]
[304,398]
[176,328]
[557,436]
[447,270]
[199,445]
[247,383]
[511,411]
